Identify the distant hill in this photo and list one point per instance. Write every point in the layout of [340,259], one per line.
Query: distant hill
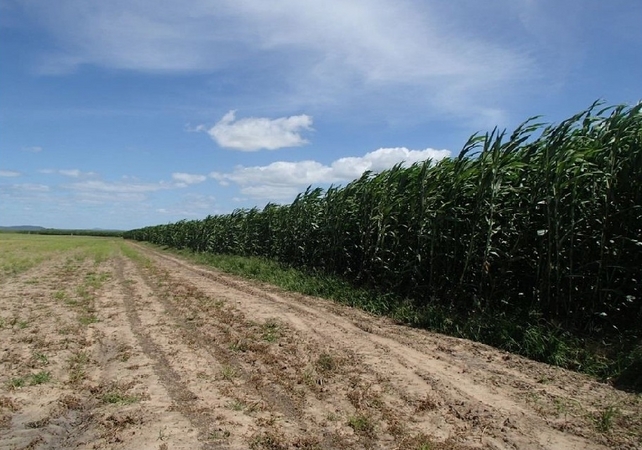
[22,228]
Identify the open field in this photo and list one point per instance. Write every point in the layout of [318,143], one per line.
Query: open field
[110,344]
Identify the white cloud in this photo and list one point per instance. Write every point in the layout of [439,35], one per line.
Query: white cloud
[9,173]
[283,180]
[34,149]
[71,173]
[185,179]
[273,193]
[280,173]
[255,133]
[103,186]
[191,205]
[92,197]
[382,159]
[75,173]
[311,53]
[129,189]
[31,187]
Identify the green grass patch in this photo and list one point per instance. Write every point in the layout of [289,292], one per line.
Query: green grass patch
[96,280]
[326,363]
[21,252]
[229,373]
[363,425]
[40,378]
[31,380]
[240,345]
[16,382]
[119,398]
[604,419]
[292,279]
[41,358]
[271,330]
[133,254]
[87,319]
[77,367]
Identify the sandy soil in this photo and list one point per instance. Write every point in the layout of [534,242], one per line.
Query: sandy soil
[154,352]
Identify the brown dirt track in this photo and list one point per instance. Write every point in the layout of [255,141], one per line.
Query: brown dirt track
[153,352]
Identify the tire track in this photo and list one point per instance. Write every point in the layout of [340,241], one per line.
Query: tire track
[497,414]
[176,387]
[280,398]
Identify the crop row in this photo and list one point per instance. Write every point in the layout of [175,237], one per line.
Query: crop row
[545,222]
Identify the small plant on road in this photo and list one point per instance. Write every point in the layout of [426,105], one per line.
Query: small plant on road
[117,397]
[16,382]
[604,419]
[271,330]
[326,363]
[88,319]
[236,405]
[219,434]
[77,364]
[228,373]
[40,378]
[239,346]
[362,424]
[268,441]
[41,358]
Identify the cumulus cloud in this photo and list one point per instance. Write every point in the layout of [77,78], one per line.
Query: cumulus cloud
[9,173]
[256,133]
[184,179]
[279,173]
[282,180]
[382,159]
[269,192]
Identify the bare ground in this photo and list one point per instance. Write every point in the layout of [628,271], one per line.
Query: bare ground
[154,352]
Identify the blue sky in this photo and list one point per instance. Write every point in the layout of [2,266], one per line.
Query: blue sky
[127,113]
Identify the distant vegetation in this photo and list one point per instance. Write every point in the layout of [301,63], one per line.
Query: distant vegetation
[531,242]
[21,228]
[28,229]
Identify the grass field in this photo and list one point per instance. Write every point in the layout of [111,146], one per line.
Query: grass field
[23,251]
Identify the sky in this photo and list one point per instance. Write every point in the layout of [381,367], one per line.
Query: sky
[127,113]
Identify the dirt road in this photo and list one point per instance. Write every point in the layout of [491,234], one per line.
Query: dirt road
[142,350]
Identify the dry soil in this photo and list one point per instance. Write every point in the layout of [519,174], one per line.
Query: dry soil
[144,350]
